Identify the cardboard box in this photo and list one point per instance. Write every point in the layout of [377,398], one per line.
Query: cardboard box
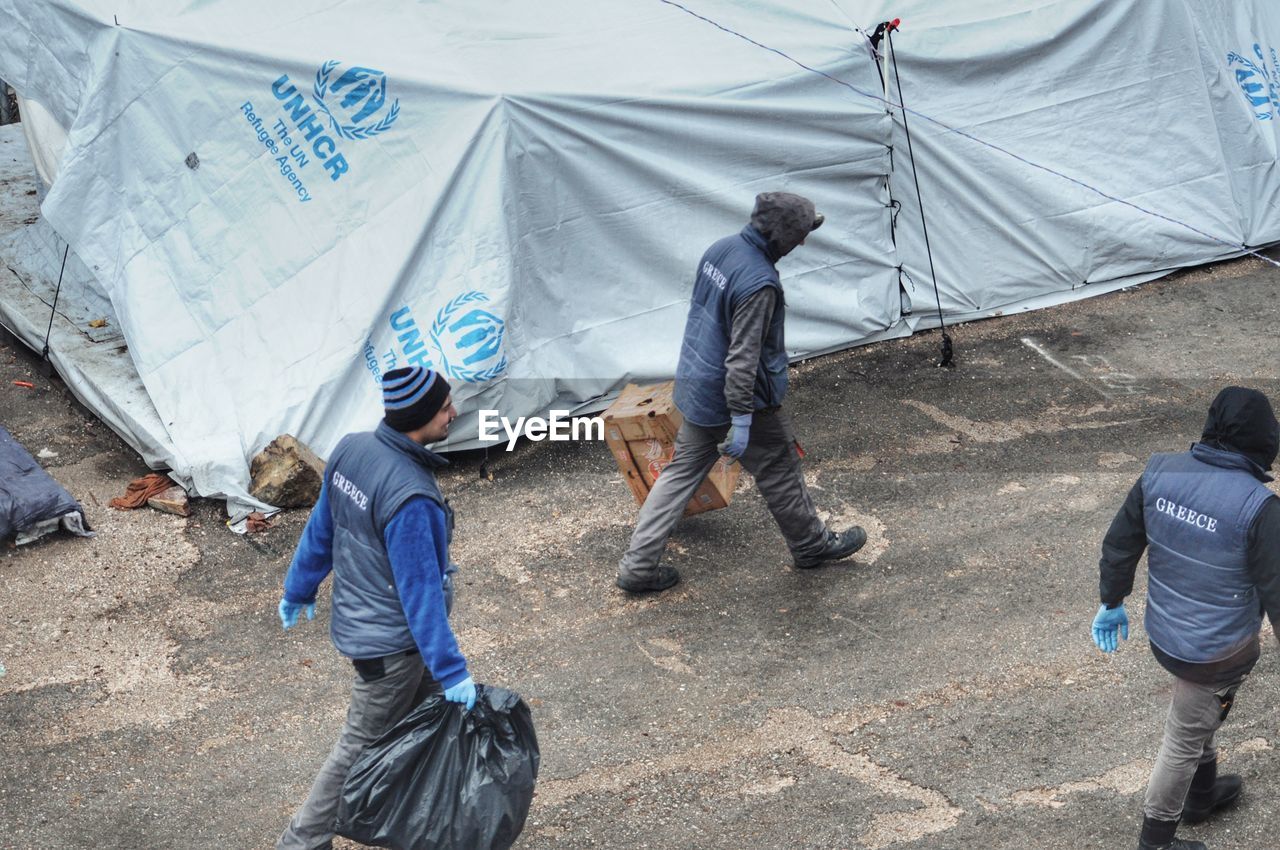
[640,429]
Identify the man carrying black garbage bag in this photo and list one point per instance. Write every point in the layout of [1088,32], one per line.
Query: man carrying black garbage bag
[1211,529]
[383,528]
[730,385]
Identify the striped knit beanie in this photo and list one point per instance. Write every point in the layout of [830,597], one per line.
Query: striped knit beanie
[412,396]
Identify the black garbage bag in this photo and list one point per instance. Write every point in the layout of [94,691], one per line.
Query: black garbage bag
[445,778]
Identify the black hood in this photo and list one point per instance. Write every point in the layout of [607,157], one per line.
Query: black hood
[1241,420]
[784,220]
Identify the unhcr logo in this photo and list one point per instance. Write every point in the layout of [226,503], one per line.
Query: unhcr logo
[307,124]
[350,105]
[469,340]
[1257,82]
[354,100]
[464,342]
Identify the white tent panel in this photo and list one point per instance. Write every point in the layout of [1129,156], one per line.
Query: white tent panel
[1238,44]
[1050,83]
[281,202]
[519,205]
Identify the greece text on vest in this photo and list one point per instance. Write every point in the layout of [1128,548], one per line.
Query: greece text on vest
[1187,515]
[342,485]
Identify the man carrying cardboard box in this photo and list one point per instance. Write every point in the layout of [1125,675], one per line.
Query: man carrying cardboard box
[730,385]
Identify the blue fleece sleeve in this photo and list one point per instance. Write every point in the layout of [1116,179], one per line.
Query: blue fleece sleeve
[417,544]
[314,557]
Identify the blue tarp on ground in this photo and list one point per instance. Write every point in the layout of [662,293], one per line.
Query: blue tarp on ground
[31,502]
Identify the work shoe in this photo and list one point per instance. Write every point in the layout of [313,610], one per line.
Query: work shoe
[1210,792]
[1159,835]
[656,582]
[840,544]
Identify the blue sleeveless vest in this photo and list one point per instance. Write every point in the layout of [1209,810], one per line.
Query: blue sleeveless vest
[731,271]
[370,477]
[1198,507]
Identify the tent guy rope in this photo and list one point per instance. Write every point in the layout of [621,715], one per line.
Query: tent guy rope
[946,357]
[53,310]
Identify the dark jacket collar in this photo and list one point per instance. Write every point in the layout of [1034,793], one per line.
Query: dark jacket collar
[1227,460]
[757,240]
[398,441]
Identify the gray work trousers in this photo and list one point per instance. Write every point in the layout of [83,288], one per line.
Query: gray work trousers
[376,706]
[1195,713]
[770,457]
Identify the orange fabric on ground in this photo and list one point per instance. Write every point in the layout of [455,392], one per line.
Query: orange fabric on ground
[141,489]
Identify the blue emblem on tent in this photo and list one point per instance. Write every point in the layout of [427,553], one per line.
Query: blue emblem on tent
[354,100]
[469,340]
[1257,83]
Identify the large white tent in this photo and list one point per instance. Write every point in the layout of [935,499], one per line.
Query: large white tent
[273,203]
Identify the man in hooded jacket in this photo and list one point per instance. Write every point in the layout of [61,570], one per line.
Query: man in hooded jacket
[730,385]
[1213,532]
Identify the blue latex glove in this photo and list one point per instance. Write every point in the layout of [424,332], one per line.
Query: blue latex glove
[1105,626]
[739,435]
[289,612]
[463,692]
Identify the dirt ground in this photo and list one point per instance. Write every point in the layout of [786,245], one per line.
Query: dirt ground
[938,691]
